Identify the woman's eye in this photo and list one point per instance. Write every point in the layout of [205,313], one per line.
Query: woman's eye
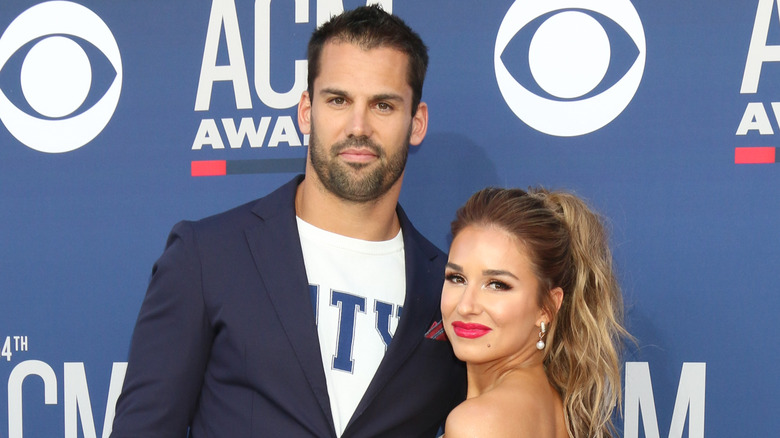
[498,285]
[455,278]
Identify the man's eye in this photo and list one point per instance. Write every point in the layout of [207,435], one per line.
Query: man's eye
[384,106]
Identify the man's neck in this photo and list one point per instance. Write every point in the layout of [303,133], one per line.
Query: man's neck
[376,220]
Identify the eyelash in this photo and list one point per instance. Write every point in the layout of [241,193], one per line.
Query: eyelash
[381,106]
[455,278]
[496,285]
[500,285]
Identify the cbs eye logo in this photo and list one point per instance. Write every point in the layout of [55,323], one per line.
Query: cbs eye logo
[55,77]
[569,56]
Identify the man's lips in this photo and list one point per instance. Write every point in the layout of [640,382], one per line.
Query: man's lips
[357,154]
[470,330]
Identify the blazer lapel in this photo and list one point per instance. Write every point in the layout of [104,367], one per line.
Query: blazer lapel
[276,249]
[419,309]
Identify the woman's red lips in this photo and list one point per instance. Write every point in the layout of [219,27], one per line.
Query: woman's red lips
[470,330]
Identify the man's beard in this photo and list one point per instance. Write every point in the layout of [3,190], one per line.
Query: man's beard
[350,181]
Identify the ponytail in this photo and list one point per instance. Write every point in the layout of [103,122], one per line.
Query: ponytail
[583,360]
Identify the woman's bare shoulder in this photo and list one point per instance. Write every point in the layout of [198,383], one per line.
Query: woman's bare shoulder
[513,409]
[498,413]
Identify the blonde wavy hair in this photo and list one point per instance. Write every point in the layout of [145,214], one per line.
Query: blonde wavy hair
[568,246]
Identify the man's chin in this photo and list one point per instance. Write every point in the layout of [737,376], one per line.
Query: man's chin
[356,188]
[357,165]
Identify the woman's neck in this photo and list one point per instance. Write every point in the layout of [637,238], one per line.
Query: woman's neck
[484,377]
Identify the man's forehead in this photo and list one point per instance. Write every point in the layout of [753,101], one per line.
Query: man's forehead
[343,62]
[383,50]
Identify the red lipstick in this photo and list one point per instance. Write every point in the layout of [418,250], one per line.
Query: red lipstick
[470,330]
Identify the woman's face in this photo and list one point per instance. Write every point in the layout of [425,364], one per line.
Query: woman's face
[489,300]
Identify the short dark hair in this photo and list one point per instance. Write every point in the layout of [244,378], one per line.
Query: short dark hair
[371,27]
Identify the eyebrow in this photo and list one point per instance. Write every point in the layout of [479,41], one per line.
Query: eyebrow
[335,91]
[498,272]
[388,96]
[486,272]
[374,98]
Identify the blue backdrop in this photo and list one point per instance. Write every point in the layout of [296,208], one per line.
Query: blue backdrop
[121,118]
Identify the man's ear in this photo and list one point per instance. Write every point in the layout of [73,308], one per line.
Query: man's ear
[419,124]
[304,113]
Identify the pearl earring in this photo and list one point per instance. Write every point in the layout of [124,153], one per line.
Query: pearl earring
[542,331]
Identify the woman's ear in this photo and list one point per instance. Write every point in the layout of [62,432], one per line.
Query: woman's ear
[556,295]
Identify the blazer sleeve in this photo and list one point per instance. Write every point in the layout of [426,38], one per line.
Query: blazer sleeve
[169,347]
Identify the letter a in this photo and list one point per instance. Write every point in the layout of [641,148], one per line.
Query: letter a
[755,118]
[223,13]
[759,52]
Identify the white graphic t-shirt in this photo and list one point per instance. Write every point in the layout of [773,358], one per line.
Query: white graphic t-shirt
[357,289]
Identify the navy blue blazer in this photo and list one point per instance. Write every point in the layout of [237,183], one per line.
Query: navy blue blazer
[226,343]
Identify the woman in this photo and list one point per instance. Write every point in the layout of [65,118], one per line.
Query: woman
[531,304]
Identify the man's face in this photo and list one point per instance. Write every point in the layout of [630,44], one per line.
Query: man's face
[360,122]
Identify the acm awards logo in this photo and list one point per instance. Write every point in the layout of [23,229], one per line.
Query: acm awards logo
[55,76]
[223,38]
[569,55]
[756,119]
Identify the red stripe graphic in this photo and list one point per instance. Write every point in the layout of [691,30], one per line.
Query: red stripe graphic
[209,168]
[755,155]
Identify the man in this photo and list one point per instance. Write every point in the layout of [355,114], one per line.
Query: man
[308,313]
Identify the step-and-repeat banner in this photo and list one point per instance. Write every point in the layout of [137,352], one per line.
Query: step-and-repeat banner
[121,118]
